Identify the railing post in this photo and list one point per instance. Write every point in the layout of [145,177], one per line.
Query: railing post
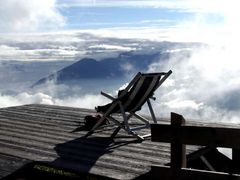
[178,150]
[236,160]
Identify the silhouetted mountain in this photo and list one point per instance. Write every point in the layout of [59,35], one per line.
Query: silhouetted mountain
[110,68]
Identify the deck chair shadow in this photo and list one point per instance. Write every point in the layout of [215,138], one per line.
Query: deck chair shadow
[130,100]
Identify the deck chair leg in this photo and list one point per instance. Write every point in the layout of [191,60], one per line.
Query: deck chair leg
[151,111]
[116,131]
[121,125]
[141,118]
[129,116]
[125,119]
[206,162]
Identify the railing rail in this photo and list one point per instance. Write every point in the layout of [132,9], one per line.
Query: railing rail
[180,135]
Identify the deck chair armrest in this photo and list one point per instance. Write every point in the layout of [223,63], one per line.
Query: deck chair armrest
[153,98]
[166,75]
[107,95]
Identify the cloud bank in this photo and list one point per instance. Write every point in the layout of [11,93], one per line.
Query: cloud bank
[84,101]
[29,15]
[74,45]
[204,86]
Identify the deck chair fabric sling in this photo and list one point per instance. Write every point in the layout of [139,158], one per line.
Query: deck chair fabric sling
[139,91]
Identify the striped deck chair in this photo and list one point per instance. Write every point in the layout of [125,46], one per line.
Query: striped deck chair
[139,91]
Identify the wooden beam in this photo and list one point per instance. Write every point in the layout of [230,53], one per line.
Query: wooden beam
[193,135]
[167,173]
[178,150]
[235,160]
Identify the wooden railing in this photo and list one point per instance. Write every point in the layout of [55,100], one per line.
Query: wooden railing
[180,135]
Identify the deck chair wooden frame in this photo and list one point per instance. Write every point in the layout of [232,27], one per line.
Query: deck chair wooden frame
[139,91]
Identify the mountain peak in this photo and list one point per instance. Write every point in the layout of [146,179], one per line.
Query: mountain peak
[109,68]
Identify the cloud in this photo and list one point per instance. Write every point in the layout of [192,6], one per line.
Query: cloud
[82,101]
[89,101]
[122,3]
[110,47]
[182,104]
[204,85]
[29,15]
[180,5]
[74,45]
[41,46]
[127,67]
[25,98]
[199,22]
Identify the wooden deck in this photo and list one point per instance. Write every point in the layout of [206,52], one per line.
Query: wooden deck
[55,134]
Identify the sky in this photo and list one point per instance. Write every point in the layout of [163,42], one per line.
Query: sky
[59,15]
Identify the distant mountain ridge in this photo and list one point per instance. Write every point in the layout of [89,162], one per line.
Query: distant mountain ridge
[109,68]
[118,67]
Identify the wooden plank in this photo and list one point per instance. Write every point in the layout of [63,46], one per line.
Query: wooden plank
[50,134]
[41,140]
[37,115]
[82,149]
[164,172]
[53,111]
[82,160]
[192,135]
